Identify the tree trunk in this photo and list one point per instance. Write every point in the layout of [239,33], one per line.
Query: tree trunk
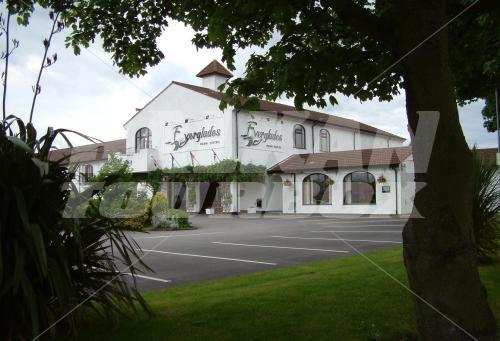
[438,248]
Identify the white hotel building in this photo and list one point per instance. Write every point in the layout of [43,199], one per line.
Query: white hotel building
[316,162]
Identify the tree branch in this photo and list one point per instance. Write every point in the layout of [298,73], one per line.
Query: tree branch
[36,89]
[5,75]
[481,7]
[361,19]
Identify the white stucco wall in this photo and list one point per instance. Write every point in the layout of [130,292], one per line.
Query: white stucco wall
[80,169]
[407,185]
[385,202]
[177,112]
[213,81]
[170,109]
[273,151]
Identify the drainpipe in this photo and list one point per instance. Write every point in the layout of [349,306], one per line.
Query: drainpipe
[396,182]
[237,158]
[294,195]
[354,139]
[236,135]
[237,198]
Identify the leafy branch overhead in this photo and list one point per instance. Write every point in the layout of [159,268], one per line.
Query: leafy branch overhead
[439,51]
[315,50]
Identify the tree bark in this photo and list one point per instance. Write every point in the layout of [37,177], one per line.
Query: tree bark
[438,248]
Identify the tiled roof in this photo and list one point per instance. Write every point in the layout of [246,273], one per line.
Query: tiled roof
[90,152]
[290,111]
[214,67]
[488,155]
[348,158]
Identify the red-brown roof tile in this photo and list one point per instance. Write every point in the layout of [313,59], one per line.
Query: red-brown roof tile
[290,111]
[488,155]
[90,152]
[348,158]
[215,67]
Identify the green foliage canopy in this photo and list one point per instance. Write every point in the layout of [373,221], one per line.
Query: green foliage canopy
[315,49]
[489,113]
[223,171]
[116,167]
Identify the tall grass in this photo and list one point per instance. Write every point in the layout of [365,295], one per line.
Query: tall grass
[486,208]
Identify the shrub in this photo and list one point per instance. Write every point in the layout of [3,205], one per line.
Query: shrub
[129,214]
[159,208]
[139,208]
[50,264]
[137,223]
[485,212]
[159,203]
[179,217]
[183,223]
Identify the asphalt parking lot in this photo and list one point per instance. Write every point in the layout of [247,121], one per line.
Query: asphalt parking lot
[233,245]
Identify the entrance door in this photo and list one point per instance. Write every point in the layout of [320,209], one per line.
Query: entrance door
[179,195]
[208,196]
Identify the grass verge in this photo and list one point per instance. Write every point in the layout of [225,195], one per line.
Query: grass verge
[346,299]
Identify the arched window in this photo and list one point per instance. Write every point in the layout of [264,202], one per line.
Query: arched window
[88,173]
[359,188]
[316,190]
[324,140]
[142,139]
[299,137]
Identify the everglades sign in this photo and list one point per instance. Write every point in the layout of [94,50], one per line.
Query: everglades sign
[202,136]
[254,136]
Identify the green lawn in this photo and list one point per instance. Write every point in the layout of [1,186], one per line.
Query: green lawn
[346,298]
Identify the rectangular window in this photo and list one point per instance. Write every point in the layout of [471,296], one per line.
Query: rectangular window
[324,140]
[299,139]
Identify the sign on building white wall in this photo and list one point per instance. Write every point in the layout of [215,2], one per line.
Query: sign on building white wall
[262,134]
[195,135]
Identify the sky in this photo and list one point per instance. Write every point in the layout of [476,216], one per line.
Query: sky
[86,93]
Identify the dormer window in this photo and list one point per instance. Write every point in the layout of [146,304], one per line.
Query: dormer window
[142,139]
[299,137]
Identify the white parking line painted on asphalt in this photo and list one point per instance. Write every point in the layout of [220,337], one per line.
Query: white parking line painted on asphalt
[392,223]
[359,226]
[348,240]
[148,277]
[210,257]
[281,247]
[351,231]
[286,218]
[333,220]
[177,235]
